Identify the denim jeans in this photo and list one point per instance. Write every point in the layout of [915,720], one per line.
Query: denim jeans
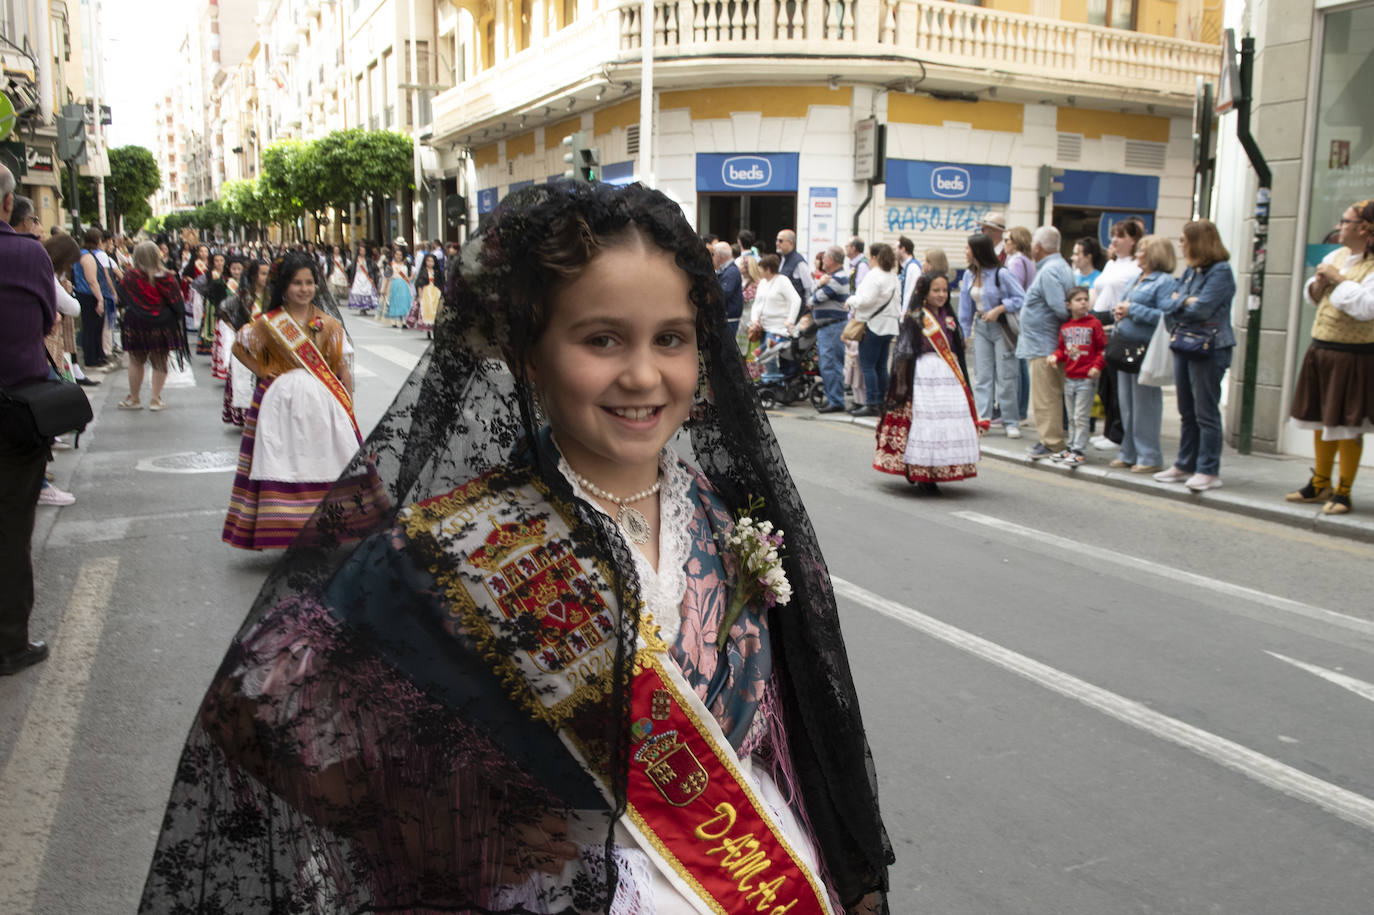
[830,348]
[1142,412]
[1022,392]
[772,368]
[1078,402]
[1198,385]
[995,371]
[873,349]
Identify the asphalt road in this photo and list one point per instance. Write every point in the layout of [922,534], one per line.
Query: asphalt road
[1080,699]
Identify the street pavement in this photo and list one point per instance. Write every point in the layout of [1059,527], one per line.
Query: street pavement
[1081,698]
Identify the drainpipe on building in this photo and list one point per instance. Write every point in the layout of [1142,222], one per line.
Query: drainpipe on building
[1255,300]
[863,206]
[646,93]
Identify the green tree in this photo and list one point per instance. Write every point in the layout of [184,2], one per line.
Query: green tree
[175,222]
[383,162]
[134,177]
[153,225]
[209,215]
[282,178]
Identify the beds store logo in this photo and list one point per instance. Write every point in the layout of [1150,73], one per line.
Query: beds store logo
[950,181]
[746,171]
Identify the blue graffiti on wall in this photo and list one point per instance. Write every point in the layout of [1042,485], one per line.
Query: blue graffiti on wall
[935,217]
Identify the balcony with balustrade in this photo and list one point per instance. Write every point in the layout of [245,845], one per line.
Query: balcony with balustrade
[916,45]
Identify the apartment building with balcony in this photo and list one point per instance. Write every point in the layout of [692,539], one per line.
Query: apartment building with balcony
[756,104]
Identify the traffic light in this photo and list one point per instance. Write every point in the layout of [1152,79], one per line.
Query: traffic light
[583,161]
[1048,183]
[71,139]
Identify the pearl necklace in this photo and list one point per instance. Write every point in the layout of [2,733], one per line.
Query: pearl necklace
[631,520]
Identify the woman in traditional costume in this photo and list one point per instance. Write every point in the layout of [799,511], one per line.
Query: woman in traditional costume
[362,296]
[210,286]
[399,297]
[300,433]
[429,283]
[553,688]
[224,293]
[338,273]
[1334,396]
[930,426]
[235,312]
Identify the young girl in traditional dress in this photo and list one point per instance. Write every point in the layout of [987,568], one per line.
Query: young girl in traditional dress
[563,660]
[398,296]
[930,427]
[300,432]
[224,294]
[429,282]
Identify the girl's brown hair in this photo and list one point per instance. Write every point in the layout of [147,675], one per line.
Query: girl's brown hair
[64,251]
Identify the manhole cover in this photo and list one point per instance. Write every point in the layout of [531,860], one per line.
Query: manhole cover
[191,462]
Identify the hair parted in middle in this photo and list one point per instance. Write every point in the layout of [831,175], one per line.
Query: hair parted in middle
[1158,254]
[1204,244]
[540,238]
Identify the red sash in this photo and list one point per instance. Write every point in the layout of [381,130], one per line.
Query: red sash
[936,335]
[297,342]
[688,800]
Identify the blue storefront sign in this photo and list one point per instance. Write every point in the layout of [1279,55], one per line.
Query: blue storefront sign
[745,172]
[486,200]
[1109,219]
[1108,191]
[519,186]
[618,173]
[914,179]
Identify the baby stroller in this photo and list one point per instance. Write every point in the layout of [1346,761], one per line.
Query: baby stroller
[799,366]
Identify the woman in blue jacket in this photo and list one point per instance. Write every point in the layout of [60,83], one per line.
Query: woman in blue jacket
[1140,309]
[988,293]
[1202,302]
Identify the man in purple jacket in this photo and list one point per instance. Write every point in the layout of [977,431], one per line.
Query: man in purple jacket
[28,308]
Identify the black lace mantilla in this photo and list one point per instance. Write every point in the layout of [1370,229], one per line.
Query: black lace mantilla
[350,755]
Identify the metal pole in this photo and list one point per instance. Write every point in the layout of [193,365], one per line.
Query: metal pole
[415,233]
[646,93]
[1255,301]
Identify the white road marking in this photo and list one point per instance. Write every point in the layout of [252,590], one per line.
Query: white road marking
[31,784]
[393,354]
[1349,806]
[360,372]
[102,530]
[1358,687]
[1170,573]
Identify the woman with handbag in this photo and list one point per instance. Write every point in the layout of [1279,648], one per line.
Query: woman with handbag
[1202,340]
[878,304]
[1142,406]
[930,426]
[1117,274]
[774,313]
[989,300]
[154,323]
[1335,390]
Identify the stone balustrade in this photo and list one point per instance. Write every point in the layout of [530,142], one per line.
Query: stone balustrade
[935,32]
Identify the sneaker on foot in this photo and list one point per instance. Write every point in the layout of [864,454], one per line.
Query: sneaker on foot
[1200,482]
[1013,432]
[1060,457]
[1073,458]
[51,495]
[1102,443]
[1172,475]
[1038,451]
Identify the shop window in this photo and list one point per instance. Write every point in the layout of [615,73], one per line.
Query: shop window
[1115,14]
[569,12]
[1343,151]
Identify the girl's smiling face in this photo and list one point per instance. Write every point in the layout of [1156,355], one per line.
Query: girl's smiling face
[616,367]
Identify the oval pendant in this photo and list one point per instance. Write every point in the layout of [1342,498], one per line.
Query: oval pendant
[634,524]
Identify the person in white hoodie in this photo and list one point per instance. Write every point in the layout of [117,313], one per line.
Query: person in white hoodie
[775,310]
[878,303]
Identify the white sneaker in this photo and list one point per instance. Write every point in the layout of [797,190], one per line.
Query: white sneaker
[51,495]
[1172,475]
[1013,431]
[1200,482]
[1102,443]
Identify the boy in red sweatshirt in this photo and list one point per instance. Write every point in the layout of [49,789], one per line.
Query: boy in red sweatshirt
[1081,344]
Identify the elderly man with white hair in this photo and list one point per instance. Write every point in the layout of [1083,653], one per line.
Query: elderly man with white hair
[1042,312]
[731,285]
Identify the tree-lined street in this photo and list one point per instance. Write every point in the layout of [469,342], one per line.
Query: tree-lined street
[1080,699]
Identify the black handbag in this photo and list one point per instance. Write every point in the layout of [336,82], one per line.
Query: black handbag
[33,412]
[1194,343]
[1124,355]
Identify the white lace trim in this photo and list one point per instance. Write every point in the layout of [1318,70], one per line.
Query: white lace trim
[665,587]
